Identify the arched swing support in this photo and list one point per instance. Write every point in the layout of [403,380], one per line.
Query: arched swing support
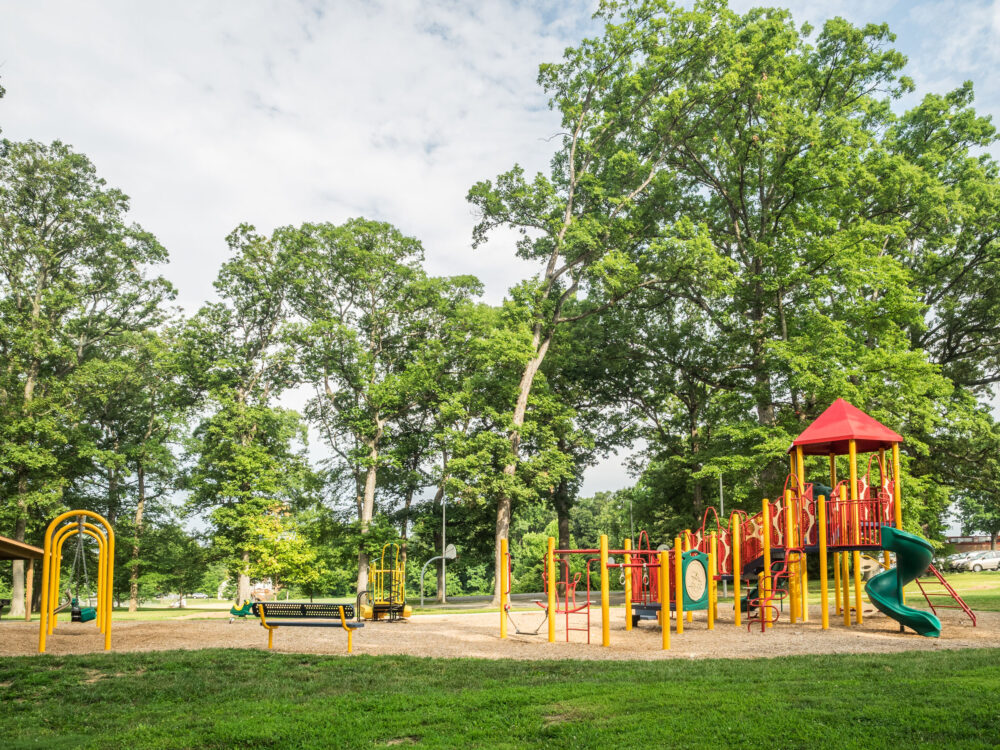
[61,537]
[62,528]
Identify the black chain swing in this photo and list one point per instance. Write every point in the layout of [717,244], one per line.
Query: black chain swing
[78,613]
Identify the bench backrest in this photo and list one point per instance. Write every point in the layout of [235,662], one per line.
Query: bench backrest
[303,609]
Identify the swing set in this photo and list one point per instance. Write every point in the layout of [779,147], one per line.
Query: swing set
[645,574]
[64,526]
[567,603]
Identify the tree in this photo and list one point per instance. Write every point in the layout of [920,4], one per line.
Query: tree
[371,339]
[609,219]
[135,406]
[247,463]
[177,563]
[73,276]
[833,234]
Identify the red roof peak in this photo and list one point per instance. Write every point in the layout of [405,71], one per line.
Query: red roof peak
[841,422]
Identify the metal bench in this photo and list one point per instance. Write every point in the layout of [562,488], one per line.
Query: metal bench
[274,615]
[4,603]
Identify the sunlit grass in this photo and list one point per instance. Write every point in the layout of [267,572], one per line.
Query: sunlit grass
[230,698]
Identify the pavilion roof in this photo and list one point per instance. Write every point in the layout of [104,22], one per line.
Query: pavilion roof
[11,549]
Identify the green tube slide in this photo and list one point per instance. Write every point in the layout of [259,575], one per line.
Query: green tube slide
[913,555]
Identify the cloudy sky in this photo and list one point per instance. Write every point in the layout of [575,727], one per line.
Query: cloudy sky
[209,114]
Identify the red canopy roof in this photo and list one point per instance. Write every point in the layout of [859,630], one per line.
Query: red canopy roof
[838,424]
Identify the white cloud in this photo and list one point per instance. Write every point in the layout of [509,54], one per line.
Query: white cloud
[272,113]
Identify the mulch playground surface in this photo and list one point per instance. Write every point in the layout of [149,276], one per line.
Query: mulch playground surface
[477,635]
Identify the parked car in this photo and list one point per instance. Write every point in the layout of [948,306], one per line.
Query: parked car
[953,561]
[982,561]
[199,595]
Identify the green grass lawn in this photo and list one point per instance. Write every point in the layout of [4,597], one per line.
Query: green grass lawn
[228,698]
[981,591]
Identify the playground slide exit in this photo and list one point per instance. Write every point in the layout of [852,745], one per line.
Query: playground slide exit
[913,555]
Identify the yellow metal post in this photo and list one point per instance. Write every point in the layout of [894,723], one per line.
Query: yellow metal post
[715,587]
[855,517]
[764,594]
[858,617]
[882,475]
[791,568]
[687,548]
[897,496]
[550,564]
[845,577]
[664,598]
[628,586]
[711,583]
[605,594]
[897,482]
[678,587]
[503,588]
[836,555]
[734,538]
[823,598]
[802,562]
[852,449]
[845,573]
[804,587]
[836,583]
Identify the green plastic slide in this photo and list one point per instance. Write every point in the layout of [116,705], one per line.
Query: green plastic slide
[913,555]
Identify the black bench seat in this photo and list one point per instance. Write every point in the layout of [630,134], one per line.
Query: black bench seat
[4,603]
[274,615]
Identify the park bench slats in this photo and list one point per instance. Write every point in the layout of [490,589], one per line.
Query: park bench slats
[277,614]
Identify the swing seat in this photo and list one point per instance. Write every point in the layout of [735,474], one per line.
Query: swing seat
[83,614]
[241,612]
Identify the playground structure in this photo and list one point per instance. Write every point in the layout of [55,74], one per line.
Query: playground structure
[385,597]
[765,555]
[64,526]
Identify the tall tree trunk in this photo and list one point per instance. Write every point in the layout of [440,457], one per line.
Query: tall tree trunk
[243,582]
[562,501]
[34,368]
[133,592]
[20,526]
[30,593]
[520,407]
[407,502]
[113,496]
[367,511]
[698,501]
[442,588]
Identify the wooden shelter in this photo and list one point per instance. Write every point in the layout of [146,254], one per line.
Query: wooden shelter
[11,549]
